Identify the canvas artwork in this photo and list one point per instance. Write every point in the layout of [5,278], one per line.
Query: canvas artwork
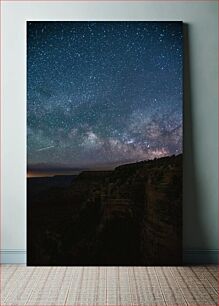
[104,143]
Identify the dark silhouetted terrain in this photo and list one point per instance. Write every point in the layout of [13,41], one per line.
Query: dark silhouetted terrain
[129,216]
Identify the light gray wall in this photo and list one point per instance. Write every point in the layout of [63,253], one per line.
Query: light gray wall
[200,134]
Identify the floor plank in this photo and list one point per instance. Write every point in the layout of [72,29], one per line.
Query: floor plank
[102,286]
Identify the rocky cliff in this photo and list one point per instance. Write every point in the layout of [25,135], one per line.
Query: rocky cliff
[129,216]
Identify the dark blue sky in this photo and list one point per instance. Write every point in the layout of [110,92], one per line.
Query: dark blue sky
[103,93]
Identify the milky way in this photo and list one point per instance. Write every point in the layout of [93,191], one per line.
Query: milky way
[103,93]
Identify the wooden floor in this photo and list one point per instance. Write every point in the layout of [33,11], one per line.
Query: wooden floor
[21,285]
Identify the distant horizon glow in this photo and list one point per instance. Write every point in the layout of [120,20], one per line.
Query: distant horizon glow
[51,172]
[101,94]
[35,174]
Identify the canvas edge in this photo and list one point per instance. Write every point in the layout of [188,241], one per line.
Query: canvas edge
[190,257]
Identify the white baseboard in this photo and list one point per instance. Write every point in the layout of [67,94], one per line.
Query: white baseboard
[12,256]
[189,257]
[200,257]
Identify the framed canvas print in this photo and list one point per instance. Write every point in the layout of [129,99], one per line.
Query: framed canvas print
[104,143]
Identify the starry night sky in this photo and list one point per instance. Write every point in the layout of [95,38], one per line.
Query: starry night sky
[100,94]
